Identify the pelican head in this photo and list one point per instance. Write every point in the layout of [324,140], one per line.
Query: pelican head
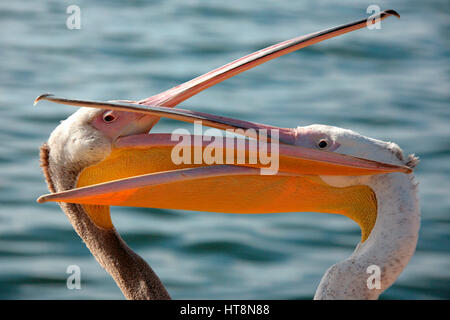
[87,136]
[345,141]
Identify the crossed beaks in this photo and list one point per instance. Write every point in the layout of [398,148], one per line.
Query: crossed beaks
[297,160]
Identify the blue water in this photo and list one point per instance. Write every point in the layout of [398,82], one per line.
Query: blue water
[390,84]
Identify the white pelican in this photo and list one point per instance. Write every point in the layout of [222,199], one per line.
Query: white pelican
[97,158]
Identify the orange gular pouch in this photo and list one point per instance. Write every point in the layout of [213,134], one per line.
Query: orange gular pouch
[247,193]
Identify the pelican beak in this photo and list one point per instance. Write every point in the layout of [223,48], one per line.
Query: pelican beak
[164,171]
[290,158]
[176,95]
[143,160]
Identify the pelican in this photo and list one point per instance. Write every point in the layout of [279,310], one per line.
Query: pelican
[103,155]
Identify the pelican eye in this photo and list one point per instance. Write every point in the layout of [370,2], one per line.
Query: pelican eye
[322,144]
[108,117]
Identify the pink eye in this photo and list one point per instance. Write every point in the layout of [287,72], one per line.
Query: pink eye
[108,117]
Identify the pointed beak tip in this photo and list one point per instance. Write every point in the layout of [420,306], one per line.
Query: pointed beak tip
[42,96]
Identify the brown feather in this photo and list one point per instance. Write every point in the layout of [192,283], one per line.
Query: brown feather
[44,160]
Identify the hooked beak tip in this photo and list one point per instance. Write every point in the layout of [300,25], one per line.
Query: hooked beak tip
[41,97]
[41,199]
[392,12]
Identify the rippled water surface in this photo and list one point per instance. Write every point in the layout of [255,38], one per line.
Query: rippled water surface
[390,84]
